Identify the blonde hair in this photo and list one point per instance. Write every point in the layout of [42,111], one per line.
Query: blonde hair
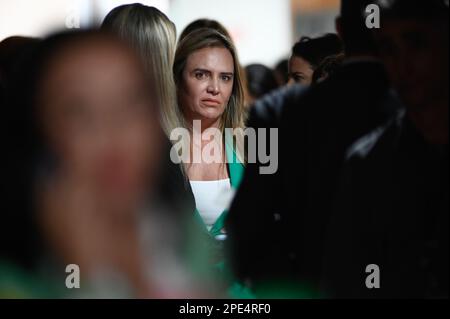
[204,23]
[153,35]
[234,115]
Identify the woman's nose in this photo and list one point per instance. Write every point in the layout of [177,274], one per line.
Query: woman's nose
[213,87]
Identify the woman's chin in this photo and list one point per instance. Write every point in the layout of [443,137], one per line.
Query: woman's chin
[210,117]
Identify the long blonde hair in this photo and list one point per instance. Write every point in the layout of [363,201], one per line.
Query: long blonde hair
[153,35]
[235,114]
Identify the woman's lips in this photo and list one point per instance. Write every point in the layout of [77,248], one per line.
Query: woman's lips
[211,102]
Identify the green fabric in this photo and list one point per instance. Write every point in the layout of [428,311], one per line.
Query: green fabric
[283,289]
[16,283]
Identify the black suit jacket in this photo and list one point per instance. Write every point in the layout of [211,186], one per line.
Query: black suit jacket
[277,222]
[391,211]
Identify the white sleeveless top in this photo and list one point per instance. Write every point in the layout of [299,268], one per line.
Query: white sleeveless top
[211,199]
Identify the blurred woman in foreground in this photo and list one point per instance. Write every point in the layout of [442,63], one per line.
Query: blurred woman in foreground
[96,169]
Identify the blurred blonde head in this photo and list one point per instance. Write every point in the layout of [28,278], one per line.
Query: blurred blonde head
[153,35]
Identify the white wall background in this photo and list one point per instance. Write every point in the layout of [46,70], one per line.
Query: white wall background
[39,17]
[261,29]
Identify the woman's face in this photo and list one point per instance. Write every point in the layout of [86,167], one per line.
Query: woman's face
[300,71]
[98,117]
[207,84]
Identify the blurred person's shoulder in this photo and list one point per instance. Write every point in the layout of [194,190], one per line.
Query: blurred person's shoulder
[379,141]
[352,75]
[366,66]
[354,84]
[173,190]
[267,111]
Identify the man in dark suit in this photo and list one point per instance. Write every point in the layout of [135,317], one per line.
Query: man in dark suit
[392,209]
[291,208]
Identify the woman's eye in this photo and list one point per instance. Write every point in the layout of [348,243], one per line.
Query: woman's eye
[199,75]
[226,78]
[298,78]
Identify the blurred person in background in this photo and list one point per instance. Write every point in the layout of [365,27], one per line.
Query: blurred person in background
[327,68]
[392,207]
[282,72]
[17,240]
[308,53]
[260,81]
[12,50]
[13,53]
[282,257]
[91,198]
[151,33]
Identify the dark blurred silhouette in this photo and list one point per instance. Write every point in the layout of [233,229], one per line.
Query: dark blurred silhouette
[260,81]
[351,27]
[18,142]
[12,52]
[392,206]
[282,72]
[327,68]
[292,207]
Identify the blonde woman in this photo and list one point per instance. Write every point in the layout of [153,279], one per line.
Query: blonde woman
[153,35]
[210,96]
[204,23]
[219,27]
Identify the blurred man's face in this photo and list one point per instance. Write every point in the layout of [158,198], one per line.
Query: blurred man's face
[416,57]
[98,116]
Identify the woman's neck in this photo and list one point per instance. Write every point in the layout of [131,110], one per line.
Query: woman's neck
[202,124]
[207,156]
[200,138]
